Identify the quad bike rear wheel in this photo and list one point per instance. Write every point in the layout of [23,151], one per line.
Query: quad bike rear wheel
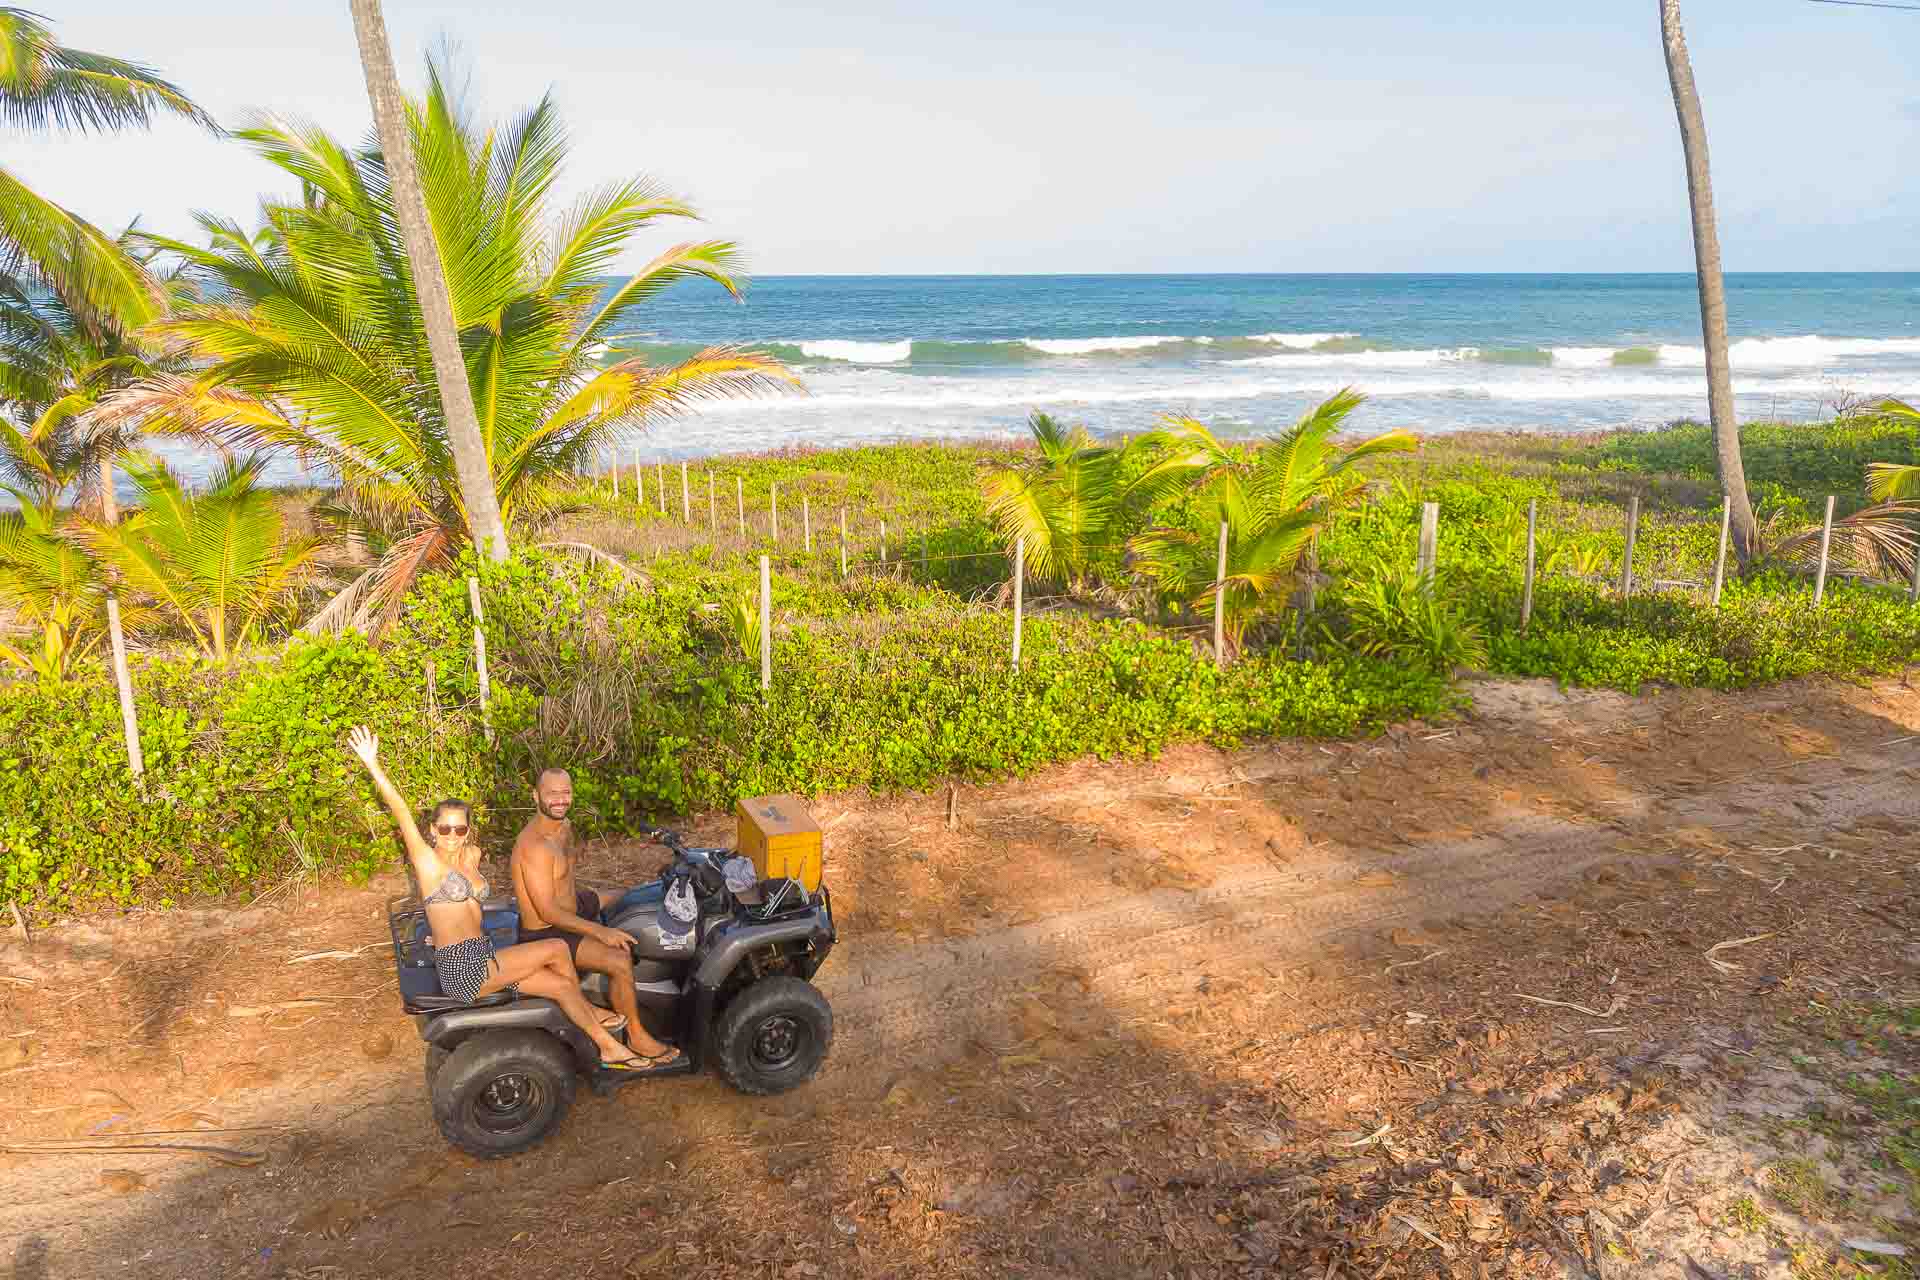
[502,1092]
[774,1036]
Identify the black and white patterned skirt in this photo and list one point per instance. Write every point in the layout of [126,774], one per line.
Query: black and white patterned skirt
[464,967]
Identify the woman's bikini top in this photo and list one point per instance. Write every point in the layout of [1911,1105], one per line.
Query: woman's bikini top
[455,887]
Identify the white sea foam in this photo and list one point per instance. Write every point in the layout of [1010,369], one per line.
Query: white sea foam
[857,352]
[1808,351]
[899,392]
[1092,346]
[1366,359]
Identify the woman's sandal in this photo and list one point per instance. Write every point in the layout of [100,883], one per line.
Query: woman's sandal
[615,1025]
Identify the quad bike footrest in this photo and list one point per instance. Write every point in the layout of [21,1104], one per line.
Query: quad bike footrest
[604,1082]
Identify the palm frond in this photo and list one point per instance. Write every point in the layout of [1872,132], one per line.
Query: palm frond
[44,84]
[1874,542]
[1892,481]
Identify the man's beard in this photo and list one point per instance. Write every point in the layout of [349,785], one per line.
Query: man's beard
[546,811]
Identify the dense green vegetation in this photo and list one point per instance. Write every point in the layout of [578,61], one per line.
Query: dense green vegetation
[894,676]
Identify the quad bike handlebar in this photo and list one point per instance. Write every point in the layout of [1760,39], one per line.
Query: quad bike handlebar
[704,863]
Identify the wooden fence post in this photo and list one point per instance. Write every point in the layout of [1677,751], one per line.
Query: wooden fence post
[1220,601]
[766,626]
[740,503]
[1526,594]
[1720,561]
[480,656]
[639,482]
[843,542]
[660,484]
[686,498]
[129,723]
[1019,582]
[614,455]
[1826,545]
[1429,538]
[1633,530]
[883,542]
[806,523]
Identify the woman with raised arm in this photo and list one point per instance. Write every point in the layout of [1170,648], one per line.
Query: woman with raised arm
[446,864]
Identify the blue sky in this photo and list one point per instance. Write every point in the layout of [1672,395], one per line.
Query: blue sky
[842,137]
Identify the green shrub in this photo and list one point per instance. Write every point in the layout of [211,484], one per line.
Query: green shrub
[636,691]
[1807,460]
[1395,612]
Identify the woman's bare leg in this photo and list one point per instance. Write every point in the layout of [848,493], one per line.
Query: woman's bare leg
[545,969]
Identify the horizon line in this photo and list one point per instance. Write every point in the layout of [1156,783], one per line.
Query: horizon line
[1293,275]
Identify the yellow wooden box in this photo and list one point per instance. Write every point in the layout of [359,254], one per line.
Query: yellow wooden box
[782,838]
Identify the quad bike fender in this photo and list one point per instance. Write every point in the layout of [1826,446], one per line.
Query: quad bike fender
[731,947]
[447,1030]
[738,942]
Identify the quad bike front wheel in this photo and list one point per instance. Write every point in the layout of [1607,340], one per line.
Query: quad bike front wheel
[502,1092]
[774,1036]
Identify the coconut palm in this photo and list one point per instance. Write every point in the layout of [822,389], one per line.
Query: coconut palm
[1890,481]
[1275,497]
[49,582]
[1061,500]
[44,247]
[1712,284]
[430,280]
[316,343]
[220,561]
[57,368]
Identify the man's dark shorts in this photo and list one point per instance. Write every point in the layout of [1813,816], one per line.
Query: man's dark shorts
[586,905]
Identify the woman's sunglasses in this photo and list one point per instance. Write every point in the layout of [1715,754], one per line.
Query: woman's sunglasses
[450,829]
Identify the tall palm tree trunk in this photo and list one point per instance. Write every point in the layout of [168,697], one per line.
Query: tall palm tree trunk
[429,280]
[1713,289]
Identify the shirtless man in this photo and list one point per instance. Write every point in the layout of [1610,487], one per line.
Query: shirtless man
[552,907]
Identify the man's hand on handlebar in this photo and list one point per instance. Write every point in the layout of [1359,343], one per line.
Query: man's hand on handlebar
[609,936]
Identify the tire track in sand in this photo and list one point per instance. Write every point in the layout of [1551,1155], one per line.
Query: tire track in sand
[922,1004]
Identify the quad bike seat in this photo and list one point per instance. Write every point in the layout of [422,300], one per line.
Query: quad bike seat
[413,955]
[447,1004]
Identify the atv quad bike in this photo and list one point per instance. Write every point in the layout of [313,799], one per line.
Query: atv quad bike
[734,989]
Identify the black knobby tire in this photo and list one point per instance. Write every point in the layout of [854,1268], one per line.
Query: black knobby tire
[436,1059]
[503,1092]
[774,1036]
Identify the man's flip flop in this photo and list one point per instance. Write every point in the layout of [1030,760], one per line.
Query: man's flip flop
[671,1058]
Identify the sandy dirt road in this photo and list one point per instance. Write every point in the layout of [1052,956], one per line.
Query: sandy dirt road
[1170,1018]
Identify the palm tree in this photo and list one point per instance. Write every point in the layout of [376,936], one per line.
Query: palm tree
[430,281]
[316,344]
[49,582]
[56,371]
[1274,497]
[44,247]
[1713,289]
[1062,500]
[220,561]
[1888,481]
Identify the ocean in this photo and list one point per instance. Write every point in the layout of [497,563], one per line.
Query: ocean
[929,357]
[892,357]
